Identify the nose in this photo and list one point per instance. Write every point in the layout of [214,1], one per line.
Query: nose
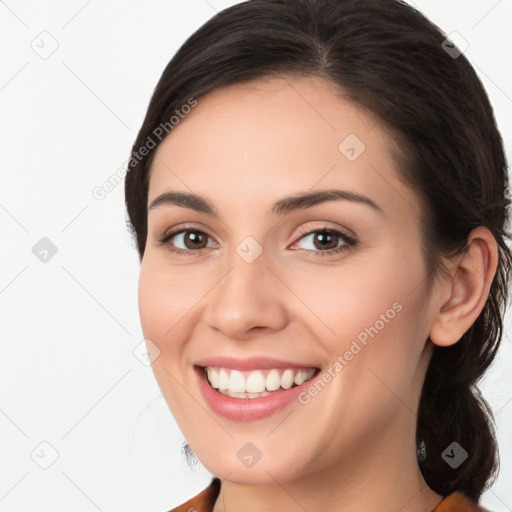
[247,300]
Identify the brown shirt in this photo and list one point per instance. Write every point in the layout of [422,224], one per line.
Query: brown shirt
[204,501]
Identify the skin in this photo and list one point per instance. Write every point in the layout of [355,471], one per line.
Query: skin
[353,446]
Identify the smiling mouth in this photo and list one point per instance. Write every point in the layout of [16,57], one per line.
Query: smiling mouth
[256,383]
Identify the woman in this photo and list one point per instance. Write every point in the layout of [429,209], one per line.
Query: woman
[319,198]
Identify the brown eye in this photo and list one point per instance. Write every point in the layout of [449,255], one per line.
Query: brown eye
[186,241]
[325,241]
[194,239]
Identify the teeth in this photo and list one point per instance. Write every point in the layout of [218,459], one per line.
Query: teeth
[236,382]
[245,395]
[213,377]
[287,379]
[257,383]
[300,377]
[223,379]
[273,381]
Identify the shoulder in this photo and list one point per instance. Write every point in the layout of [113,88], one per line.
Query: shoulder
[203,502]
[459,502]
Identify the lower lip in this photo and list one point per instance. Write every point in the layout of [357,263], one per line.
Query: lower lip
[246,409]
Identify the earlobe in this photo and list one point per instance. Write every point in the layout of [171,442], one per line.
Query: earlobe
[468,289]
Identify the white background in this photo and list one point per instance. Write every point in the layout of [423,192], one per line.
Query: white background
[69,326]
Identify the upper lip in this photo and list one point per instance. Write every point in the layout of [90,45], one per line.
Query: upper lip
[253,363]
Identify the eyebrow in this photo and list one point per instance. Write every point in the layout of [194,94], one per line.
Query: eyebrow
[283,206]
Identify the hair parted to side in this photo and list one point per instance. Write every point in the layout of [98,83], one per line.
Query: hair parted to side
[388,58]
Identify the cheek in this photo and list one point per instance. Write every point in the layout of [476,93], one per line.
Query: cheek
[166,299]
[374,315]
[345,304]
[167,318]
[164,320]
[152,295]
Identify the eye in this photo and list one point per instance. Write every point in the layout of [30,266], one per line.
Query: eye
[192,241]
[326,241]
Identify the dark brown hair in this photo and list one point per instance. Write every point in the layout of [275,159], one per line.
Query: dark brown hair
[389,59]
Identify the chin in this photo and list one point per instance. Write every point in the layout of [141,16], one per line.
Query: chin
[234,463]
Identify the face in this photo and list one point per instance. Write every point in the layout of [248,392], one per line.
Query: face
[310,315]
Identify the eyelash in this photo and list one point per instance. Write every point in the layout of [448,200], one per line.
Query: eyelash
[347,239]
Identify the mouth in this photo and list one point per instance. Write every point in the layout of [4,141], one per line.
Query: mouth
[257,383]
[241,389]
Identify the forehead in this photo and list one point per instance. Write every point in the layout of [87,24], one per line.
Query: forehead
[282,135]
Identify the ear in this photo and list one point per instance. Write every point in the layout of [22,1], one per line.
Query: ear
[463,298]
